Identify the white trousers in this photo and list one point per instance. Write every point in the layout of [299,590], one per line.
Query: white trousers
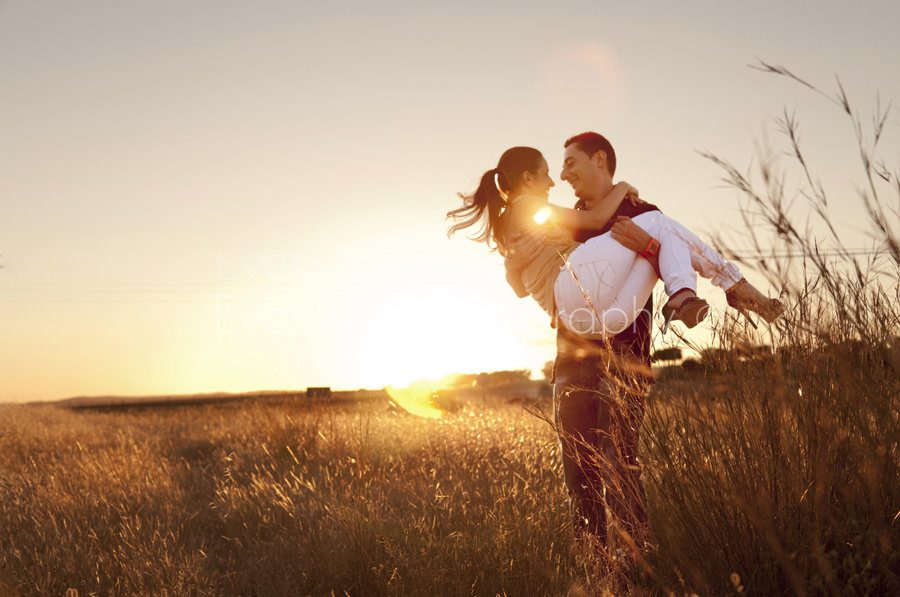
[618,282]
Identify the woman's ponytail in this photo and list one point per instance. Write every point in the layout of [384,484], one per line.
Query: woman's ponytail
[492,195]
[487,198]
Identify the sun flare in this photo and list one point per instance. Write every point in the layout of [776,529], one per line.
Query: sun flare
[417,335]
[543,215]
[417,399]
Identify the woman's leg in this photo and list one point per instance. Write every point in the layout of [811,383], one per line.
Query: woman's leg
[617,284]
[710,264]
[682,253]
[603,287]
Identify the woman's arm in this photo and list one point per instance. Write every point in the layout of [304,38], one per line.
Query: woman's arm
[598,216]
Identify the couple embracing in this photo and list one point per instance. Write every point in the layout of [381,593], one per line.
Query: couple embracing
[593,269]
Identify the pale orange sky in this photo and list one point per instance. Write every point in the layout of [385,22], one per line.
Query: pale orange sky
[229,196]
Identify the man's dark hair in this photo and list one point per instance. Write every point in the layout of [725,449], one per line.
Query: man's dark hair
[590,143]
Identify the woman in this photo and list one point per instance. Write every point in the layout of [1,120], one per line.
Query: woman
[597,288]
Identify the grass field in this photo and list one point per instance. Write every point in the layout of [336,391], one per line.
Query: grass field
[272,497]
[277,498]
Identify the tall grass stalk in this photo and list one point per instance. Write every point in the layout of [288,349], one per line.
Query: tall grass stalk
[779,473]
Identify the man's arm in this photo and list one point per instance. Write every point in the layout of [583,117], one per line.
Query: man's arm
[632,236]
[522,250]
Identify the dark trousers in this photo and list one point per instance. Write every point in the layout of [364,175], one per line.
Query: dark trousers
[598,427]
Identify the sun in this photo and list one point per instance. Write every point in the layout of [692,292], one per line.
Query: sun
[425,334]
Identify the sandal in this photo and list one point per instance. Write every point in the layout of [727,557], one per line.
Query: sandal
[744,297]
[690,312]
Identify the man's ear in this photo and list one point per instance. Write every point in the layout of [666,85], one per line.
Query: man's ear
[600,158]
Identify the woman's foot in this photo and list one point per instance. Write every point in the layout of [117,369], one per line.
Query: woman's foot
[744,297]
[684,306]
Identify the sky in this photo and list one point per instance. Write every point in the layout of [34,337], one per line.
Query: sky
[232,196]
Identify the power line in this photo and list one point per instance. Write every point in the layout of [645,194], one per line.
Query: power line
[787,255]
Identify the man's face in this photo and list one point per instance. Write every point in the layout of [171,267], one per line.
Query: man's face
[581,171]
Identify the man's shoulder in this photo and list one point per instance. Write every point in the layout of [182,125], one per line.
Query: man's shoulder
[629,209]
[626,208]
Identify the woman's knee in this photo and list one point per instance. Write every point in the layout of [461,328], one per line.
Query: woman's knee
[651,222]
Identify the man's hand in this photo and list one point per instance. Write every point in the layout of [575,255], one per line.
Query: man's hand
[629,234]
[633,237]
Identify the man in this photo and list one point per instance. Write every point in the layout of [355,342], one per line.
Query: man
[600,386]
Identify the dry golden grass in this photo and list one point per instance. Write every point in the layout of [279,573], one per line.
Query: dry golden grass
[276,498]
[280,499]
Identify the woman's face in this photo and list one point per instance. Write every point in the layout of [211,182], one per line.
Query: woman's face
[539,182]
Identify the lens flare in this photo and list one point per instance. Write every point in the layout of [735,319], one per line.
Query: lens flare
[417,399]
[542,215]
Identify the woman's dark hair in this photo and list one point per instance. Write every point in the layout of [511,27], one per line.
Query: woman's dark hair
[492,194]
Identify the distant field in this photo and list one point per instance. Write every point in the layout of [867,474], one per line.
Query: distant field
[113,402]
